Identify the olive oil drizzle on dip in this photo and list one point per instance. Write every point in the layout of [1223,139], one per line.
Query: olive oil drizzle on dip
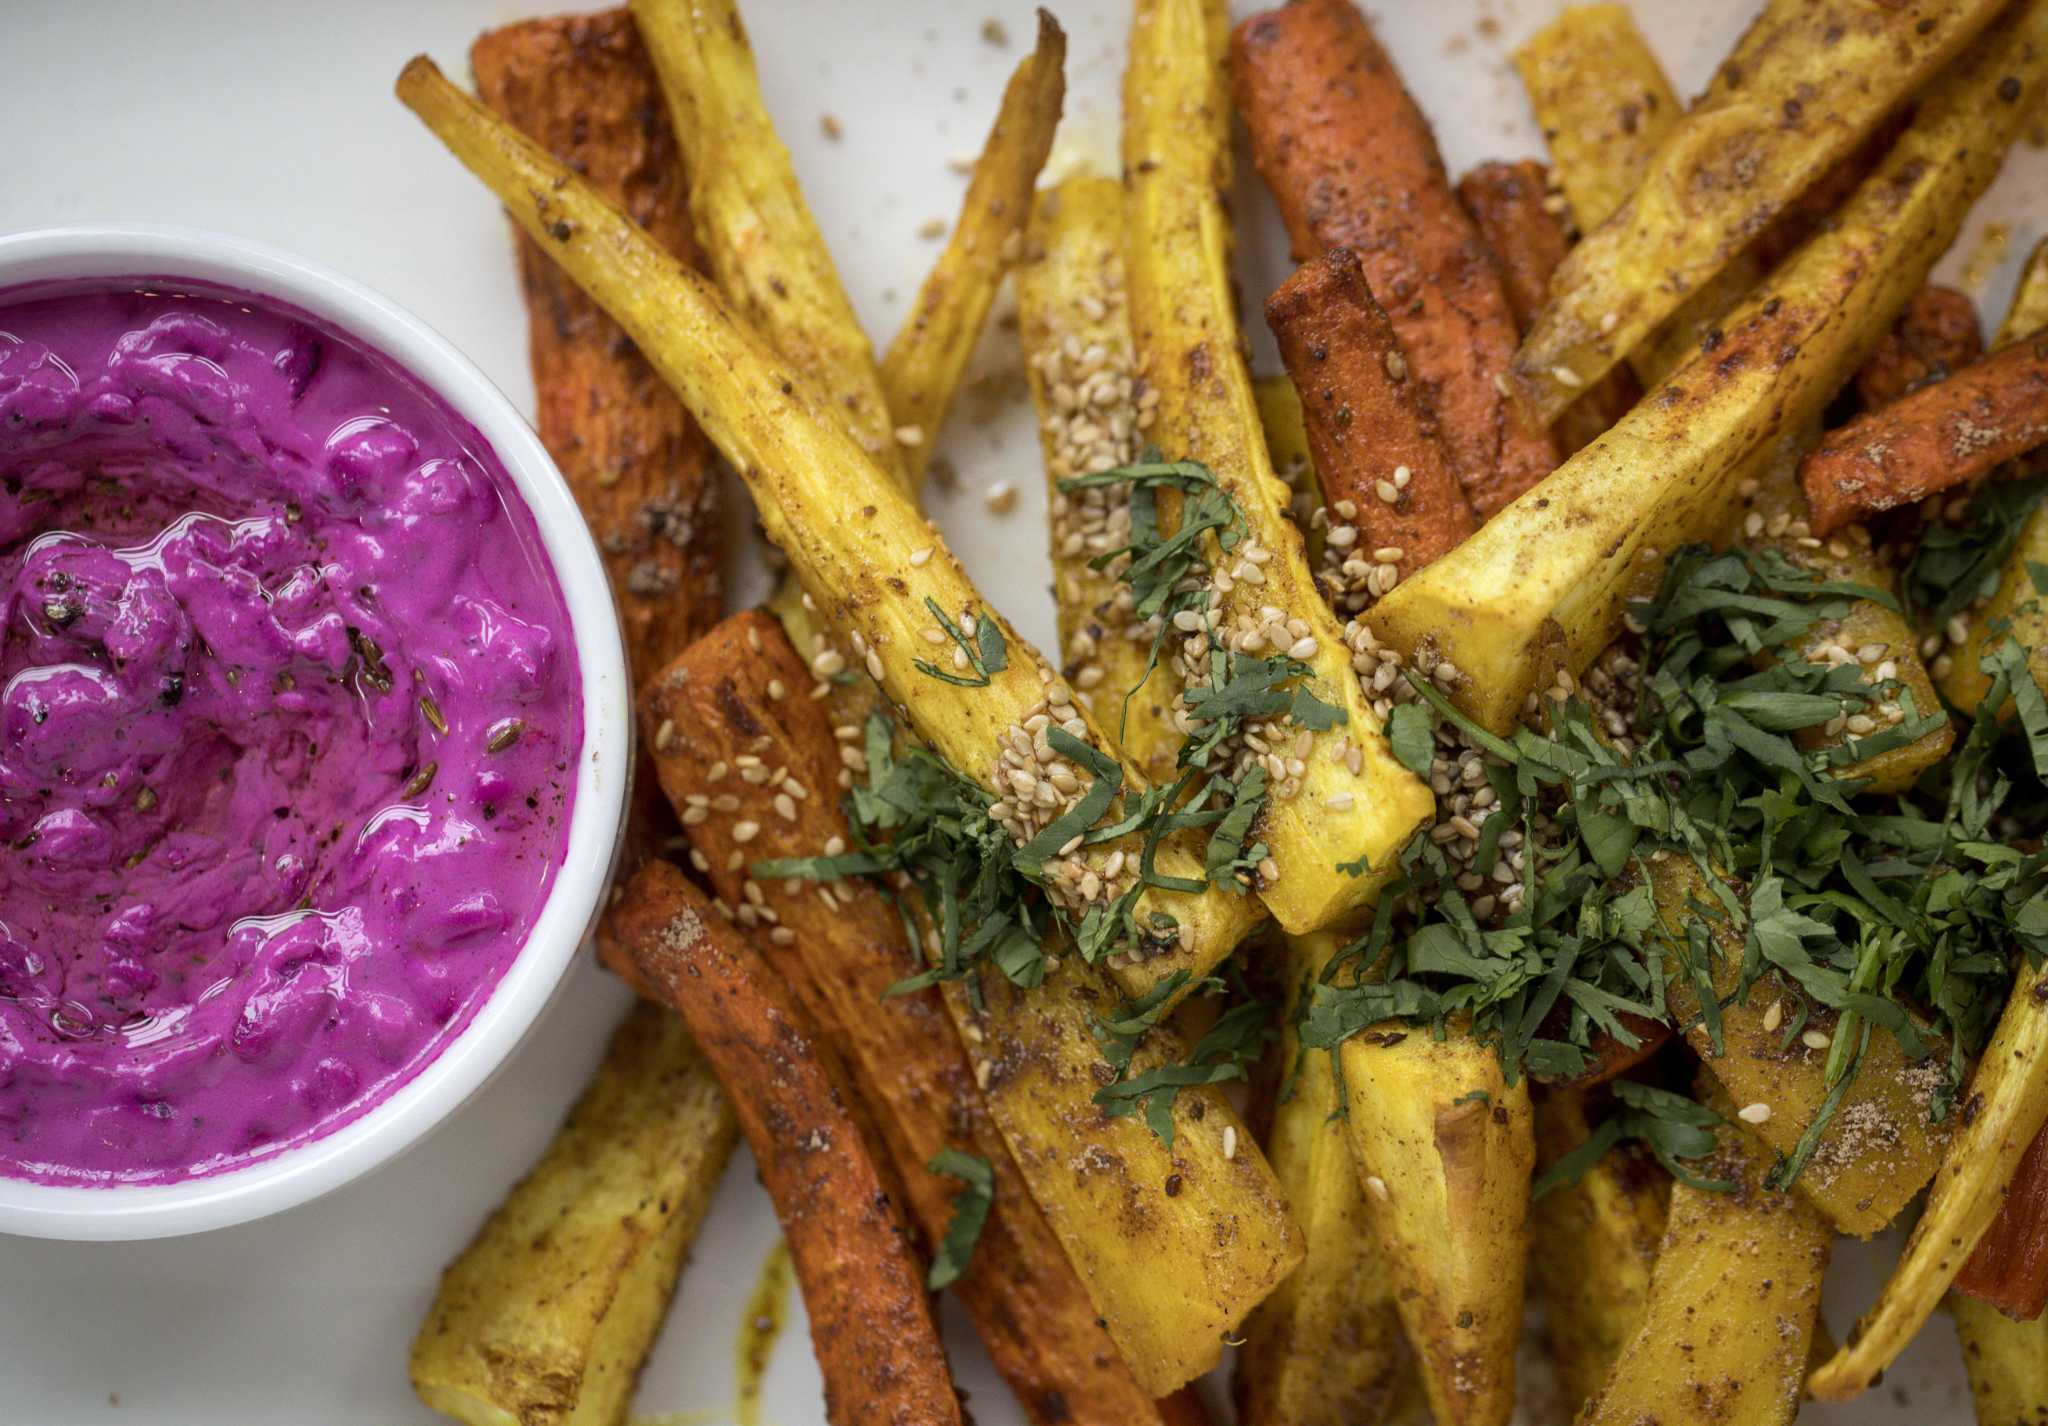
[289,715]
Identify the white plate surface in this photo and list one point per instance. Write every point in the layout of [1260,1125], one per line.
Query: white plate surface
[276,121]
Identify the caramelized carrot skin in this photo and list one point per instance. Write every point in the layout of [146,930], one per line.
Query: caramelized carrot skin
[1363,416]
[1353,164]
[1935,337]
[2009,1268]
[871,1320]
[1938,437]
[1511,205]
[739,694]
[583,87]
[1506,202]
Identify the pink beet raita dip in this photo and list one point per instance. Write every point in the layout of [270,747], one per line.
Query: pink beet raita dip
[289,720]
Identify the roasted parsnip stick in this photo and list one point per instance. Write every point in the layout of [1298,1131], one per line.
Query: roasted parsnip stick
[1354,164]
[1326,1348]
[1592,1246]
[1860,1179]
[1732,1303]
[1176,1245]
[743,754]
[1799,92]
[758,235]
[871,1321]
[549,1312]
[1605,106]
[1542,586]
[1321,813]
[2007,1107]
[1602,101]
[869,562]
[1077,355]
[923,367]
[1445,1147]
[2028,312]
[2007,1362]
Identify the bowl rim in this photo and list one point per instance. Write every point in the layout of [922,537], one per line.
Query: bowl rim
[306,1171]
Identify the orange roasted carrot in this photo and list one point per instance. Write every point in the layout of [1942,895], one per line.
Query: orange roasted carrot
[1938,437]
[1353,164]
[744,753]
[1520,219]
[584,89]
[1507,202]
[2009,1268]
[1383,472]
[1935,337]
[871,1319]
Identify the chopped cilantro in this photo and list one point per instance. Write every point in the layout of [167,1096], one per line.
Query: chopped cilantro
[970,1213]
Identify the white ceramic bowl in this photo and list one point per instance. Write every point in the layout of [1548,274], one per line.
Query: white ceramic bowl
[305,1171]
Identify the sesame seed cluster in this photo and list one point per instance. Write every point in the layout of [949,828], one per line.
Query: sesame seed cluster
[1038,786]
[1275,743]
[1097,410]
[1351,576]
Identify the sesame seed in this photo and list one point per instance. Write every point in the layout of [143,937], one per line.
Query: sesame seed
[919,558]
[932,229]
[1774,1017]
[910,435]
[1377,1187]
[665,735]
[1758,1113]
[1229,1141]
[745,831]
[1565,376]
[1002,497]
[1816,1039]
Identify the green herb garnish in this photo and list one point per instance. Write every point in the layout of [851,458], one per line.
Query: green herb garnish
[970,1213]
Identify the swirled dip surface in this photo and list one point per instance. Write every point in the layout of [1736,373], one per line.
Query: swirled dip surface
[288,722]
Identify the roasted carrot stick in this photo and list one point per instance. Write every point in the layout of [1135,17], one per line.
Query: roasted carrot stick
[1383,472]
[1353,163]
[2009,1269]
[743,753]
[863,1286]
[1508,204]
[1938,437]
[1935,337]
[1520,219]
[583,88]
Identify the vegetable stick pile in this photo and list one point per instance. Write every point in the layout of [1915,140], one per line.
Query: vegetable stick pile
[1575,746]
